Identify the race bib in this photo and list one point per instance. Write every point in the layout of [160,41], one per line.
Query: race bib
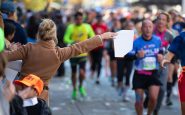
[149,63]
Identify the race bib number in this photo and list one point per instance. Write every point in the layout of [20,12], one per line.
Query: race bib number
[149,63]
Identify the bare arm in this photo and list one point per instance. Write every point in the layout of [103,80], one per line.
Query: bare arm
[168,58]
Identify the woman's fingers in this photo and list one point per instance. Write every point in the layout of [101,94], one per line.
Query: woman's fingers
[108,35]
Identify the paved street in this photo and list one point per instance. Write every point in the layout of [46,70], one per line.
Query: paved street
[101,100]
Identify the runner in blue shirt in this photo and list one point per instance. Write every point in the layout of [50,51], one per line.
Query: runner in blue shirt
[146,52]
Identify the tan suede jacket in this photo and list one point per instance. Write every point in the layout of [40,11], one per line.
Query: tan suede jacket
[44,58]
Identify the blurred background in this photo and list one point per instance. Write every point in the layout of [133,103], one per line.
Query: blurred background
[126,8]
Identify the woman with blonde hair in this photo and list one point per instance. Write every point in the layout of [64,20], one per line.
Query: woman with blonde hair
[44,58]
[161,30]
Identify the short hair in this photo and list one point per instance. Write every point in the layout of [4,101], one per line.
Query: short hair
[78,14]
[173,11]
[9,29]
[47,30]
[146,20]
[128,22]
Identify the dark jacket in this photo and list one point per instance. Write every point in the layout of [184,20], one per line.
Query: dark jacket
[39,109]
[20,35]
[16,106]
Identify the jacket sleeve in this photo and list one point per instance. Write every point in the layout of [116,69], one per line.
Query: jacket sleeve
[19,54]
[79,48]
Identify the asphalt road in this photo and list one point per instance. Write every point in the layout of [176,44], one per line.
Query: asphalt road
[101,100]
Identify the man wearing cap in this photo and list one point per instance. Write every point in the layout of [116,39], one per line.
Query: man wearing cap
[9,12]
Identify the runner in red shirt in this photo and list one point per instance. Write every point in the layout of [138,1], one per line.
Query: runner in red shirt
[99,27]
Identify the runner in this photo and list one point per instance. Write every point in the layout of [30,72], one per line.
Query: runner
[166,37]
[96,55]
[177,48]
[146,52]
[172,68]
[124,68]
[110,49]
[76,33]
[178,21]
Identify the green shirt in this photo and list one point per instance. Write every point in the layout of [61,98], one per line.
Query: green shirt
[77,33]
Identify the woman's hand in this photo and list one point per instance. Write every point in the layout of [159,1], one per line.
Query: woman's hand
[108,35]
[14,46]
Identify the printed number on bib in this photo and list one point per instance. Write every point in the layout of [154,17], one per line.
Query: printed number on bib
[149,63]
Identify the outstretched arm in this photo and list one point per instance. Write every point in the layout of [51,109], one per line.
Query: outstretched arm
[85,46]
[18,54]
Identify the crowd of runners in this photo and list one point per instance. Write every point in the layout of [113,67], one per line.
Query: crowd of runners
[44,40]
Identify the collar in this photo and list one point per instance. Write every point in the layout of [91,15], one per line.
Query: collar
[145,39]
[157,32]
[30,102]
[47,44]
[9,20]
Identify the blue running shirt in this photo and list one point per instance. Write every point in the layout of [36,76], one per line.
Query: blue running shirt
[151,49]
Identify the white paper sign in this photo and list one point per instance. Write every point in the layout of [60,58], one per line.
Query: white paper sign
[15,65]
[123,43]
[10,74]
